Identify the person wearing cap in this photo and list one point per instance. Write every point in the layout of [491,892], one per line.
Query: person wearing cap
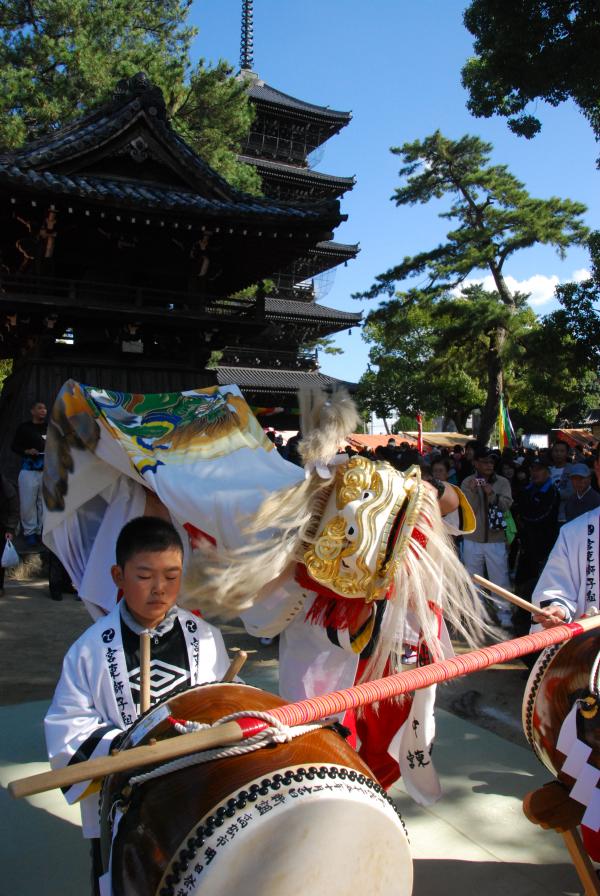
[560,470]
[485,549]
[584,497]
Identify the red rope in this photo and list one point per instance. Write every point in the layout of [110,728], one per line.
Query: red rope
[382,689]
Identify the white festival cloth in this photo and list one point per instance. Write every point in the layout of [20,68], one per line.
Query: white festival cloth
[201,452]
[576,765]
[571,575]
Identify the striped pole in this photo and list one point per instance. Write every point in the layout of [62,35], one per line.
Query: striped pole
[304,711]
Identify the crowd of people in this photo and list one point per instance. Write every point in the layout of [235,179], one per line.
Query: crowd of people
[520,497]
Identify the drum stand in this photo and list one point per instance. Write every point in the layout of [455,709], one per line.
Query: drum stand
[552,808]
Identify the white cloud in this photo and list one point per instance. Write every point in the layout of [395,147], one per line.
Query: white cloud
[581,274]
[539,287]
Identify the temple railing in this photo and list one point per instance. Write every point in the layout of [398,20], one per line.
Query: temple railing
[138,301]
[303,359]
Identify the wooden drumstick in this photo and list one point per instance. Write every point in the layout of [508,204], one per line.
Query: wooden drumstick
[507,595]
[236,665]
[144,672]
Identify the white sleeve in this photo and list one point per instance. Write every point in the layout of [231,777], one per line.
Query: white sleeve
[274,612]
[559,582]
[75,730]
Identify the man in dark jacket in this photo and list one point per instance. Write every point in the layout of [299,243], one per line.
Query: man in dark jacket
[536,513]
[29,444]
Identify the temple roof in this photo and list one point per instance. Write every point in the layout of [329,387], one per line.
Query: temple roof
[153,197]
[288,309]
[133,122]
[298,174]
[263,93]
[280,381]
[126,151]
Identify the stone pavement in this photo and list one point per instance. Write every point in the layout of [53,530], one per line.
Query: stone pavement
[476,839]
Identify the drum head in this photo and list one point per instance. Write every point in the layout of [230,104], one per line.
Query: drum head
[314,831]
[297,817]
[559,678]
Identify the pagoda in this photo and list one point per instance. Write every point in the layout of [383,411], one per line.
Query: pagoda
[286,136]
[121,256]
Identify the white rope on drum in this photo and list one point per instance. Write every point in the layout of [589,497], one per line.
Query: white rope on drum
[277,733]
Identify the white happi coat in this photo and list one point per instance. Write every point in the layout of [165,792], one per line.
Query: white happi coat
[570,577]
[310,665]
[93,701]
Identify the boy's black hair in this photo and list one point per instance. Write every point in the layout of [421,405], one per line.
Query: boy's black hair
[146,533]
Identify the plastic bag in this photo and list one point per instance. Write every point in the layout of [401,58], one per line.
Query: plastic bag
[511,527]
[10,557]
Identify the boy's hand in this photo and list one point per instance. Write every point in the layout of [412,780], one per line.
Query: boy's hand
[550,617]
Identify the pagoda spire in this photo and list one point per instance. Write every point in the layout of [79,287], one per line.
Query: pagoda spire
[247,40]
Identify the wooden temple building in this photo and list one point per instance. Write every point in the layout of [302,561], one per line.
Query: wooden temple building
[122,255]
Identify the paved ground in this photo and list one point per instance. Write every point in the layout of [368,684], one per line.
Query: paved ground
[475,839]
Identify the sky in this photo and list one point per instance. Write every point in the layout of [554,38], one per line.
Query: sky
[395,64]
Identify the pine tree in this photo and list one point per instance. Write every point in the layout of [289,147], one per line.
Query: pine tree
[59,58]
[493,217]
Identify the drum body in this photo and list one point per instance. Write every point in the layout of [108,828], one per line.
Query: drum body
[284,820]
[563,674]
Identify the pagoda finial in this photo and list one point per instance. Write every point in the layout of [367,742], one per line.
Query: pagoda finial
[247,41]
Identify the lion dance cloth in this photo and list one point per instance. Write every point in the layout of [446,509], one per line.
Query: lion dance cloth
[202,453]
[346,559]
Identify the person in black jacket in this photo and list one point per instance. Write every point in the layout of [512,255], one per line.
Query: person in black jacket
[9,517]
[29,443]
[536,512]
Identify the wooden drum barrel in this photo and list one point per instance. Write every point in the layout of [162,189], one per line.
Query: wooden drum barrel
[564,674]
[290,819]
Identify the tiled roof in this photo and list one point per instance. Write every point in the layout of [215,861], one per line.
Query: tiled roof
[136,194]
[330,247]
[266,380]
[108,122]
[263,92]
[296,171]
[288,308]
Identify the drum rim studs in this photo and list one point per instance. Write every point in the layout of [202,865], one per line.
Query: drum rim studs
[189,852]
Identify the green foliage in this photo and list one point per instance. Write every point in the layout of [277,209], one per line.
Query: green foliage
[437,346]
[563,353]
[495,216]
[60,58]
[6,366]
[214,360]
[526,50]
[325,344]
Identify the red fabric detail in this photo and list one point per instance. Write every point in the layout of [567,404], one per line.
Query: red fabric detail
[420,537]
[375,729]
[251,726]
[173,721]
[305,581]
[591,842]
[328,608]
[198,535]
[342,613]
